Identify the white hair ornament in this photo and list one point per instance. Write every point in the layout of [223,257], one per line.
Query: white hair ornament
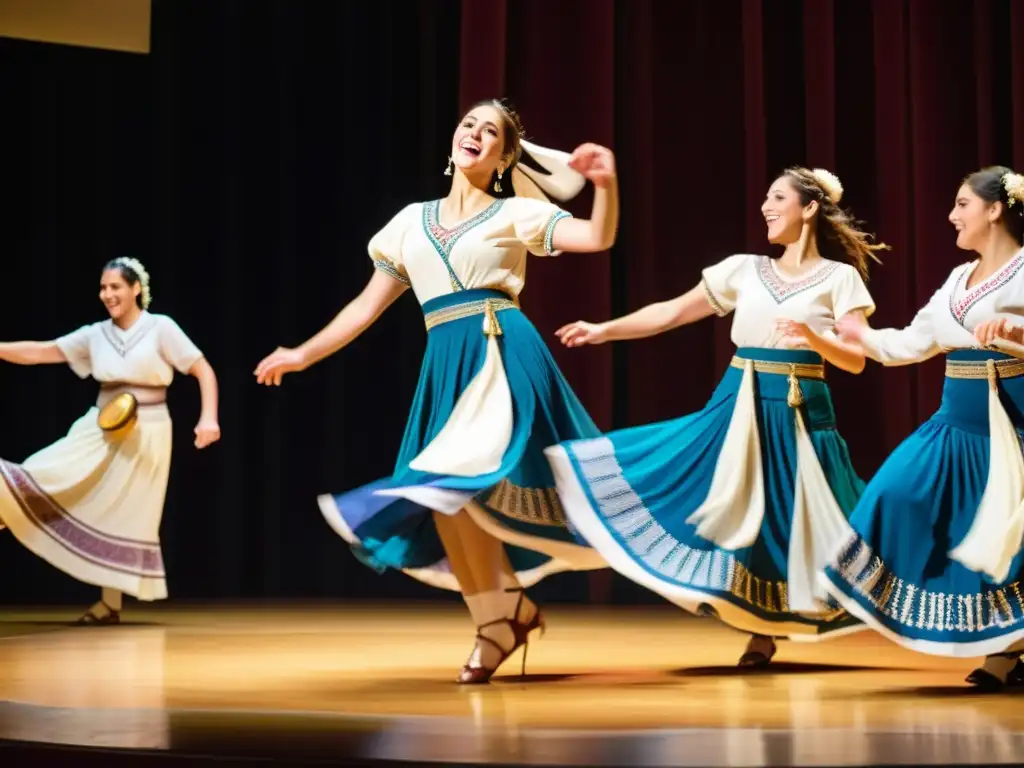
[1013,183]
[830,183]
[135,266]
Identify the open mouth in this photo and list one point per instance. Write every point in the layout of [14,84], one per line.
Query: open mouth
[470,148]
[769,220]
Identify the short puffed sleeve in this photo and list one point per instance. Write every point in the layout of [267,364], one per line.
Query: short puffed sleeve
[175,346]
[849,293]
[385,247]
[534,222]
[721,282]
[75,347]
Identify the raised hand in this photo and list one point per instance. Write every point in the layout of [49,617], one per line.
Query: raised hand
[595,162]
[275,365]
[579,333]
[1000,328]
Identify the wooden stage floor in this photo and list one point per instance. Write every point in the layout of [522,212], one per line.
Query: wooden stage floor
[624,687]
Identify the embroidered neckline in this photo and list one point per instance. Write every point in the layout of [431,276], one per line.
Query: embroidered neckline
[444,239]
[960,308]
[780,289]
[125,342]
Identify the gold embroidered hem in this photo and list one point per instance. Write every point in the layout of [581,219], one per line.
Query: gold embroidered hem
[718,308]
[915,607]
[538,506]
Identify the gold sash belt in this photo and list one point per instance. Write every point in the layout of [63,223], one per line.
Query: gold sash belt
[795,371]
[489,307]
[985,369]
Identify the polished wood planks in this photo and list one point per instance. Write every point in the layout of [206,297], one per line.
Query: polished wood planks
[614,669]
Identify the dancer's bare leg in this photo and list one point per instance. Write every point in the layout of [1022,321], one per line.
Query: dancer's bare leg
[448,530]
[489,586]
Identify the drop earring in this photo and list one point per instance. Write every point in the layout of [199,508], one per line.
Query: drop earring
[448,168]
[497,182]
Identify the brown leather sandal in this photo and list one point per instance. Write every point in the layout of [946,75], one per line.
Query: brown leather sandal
[520,632]
[90,619]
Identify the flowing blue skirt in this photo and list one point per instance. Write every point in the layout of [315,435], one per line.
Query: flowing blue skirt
[395,531]
[630,493]
[894,570]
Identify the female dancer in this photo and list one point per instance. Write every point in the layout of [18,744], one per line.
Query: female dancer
[471,505]
[729,511]
[91,503]
[932,553]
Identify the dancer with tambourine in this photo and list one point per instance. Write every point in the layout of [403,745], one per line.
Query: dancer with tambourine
[91,503]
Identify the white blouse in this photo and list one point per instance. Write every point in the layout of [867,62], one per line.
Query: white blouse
[758,294]
[147,354]
[949,318]
[487,250]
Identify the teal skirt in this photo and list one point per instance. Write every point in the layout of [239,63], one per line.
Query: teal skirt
[894,570]
[389,523]
[631,492]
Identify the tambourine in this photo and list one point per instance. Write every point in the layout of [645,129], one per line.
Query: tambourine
[118,416]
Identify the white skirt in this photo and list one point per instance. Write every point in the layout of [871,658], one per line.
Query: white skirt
[91,504]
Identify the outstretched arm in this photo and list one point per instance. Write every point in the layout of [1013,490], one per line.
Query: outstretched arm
[31,352]
[892,346]
[207,431]
[844,354]
[648,321]
[598,232]
[359,314]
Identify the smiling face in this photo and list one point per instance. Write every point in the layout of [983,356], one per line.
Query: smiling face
[784,213]
[973,218]
[479,143]
[117,295]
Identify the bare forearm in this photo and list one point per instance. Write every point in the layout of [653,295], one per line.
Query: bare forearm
[208,389]
[849,357]
[604,216]
[660,317]
[31,352]
[356,317]
[596,233]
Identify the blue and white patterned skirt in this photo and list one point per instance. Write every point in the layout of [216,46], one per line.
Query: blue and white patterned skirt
[896,569]
[643,497]
[389,523]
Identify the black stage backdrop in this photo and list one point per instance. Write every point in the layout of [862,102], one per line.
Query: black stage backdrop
[247,160]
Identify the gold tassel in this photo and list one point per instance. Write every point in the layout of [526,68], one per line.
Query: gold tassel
[993,377]
[796,395]
[491,325]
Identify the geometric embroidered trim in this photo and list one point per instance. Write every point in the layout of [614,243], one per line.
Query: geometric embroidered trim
[711,570]
[780,289]
[116,553]
[913,606]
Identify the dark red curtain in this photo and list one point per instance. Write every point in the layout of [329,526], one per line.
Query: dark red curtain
[250,156]
[704,102]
